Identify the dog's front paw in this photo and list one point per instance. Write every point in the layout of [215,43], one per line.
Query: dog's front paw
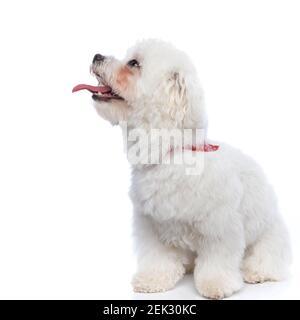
[218,287]
[156,281]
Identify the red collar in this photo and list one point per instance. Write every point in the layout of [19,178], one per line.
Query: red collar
[202,148]
[199,148]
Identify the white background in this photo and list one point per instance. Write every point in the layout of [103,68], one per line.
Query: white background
[65,217]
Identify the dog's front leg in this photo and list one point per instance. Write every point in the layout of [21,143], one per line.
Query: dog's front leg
[160,267]
[217,268]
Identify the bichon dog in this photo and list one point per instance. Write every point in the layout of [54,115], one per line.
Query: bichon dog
[222,224]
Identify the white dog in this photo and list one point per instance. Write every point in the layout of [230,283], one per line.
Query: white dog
[224,223]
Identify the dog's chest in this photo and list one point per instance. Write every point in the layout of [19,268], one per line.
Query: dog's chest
[166,193]
[177,233]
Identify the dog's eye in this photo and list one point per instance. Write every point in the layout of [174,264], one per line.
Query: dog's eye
[133,63]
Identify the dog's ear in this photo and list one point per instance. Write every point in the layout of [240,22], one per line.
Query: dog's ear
[176,95]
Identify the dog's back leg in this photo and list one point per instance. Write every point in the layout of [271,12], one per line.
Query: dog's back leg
[269,257]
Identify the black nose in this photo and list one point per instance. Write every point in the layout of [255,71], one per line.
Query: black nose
[98,58]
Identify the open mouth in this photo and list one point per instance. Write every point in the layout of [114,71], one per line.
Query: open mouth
[100,92]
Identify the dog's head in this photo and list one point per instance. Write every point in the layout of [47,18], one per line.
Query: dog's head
[156,81]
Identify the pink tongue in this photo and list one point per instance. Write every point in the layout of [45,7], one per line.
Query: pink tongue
[93,89]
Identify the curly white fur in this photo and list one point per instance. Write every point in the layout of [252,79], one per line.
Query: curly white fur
[223,224]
